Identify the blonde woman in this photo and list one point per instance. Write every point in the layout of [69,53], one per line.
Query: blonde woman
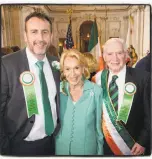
[80,109]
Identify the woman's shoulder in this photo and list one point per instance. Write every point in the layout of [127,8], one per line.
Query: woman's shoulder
[97,88]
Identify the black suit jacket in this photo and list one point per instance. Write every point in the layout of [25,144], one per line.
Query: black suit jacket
[138,124]
[14,123]
[145,63]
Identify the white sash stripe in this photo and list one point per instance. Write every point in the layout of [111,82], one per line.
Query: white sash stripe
[114,134]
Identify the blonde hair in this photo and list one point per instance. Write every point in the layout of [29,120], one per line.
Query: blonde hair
[92,62]
[78,55]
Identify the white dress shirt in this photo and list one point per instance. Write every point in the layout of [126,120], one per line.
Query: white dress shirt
[120,81]
[38,130]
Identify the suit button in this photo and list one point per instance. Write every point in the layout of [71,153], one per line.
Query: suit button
[31,122]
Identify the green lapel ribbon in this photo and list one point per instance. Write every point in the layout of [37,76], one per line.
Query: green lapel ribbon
[27,80]
[125,108]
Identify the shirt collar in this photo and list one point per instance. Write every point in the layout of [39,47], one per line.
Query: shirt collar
[120,74]
[87,85]
[31,58]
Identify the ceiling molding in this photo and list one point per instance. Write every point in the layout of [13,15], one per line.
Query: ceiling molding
[86,8]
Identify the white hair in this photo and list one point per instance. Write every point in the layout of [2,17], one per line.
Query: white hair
[116,40]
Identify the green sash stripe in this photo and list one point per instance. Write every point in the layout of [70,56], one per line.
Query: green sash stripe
[30,97]
[110,109]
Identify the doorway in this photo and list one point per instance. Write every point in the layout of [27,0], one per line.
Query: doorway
[85,32]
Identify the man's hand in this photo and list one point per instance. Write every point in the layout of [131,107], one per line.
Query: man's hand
[137,149]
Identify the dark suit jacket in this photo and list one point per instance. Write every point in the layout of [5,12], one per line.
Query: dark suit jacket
[138,124]
[145,63]
[14,123]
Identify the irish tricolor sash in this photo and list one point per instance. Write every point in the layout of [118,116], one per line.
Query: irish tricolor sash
[116,135]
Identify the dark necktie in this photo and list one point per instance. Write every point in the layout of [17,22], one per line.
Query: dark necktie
[113,91]
[49,125]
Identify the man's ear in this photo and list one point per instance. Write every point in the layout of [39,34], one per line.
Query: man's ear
[103,56]
[126,55]
[25,36]
[51,37]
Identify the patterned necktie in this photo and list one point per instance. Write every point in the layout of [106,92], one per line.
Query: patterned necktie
[113,91]
[49,125]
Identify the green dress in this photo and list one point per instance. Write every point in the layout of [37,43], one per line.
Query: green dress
[80,132]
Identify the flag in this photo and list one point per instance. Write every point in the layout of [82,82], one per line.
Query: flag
[130,34]
[69,39]
[94,46]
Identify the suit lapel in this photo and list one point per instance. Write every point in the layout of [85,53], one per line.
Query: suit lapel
[56,76]
[24,61]
[128,77]
[55,73]
[27,126]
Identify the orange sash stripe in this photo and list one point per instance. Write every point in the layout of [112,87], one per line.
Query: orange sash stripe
[109,139]
[93,79]
[101,64]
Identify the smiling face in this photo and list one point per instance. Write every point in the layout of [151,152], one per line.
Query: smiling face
[115,57]
[38,36]
[73,71]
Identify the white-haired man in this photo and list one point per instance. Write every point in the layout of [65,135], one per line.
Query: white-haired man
[126,103]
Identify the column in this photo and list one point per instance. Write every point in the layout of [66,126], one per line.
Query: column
[146,40]
[125,27]
[137,38]
[141,32]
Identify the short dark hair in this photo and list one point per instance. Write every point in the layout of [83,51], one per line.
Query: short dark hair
[39,15]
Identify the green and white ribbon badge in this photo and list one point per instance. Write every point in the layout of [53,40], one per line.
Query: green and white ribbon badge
[129,91]
[27,79]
